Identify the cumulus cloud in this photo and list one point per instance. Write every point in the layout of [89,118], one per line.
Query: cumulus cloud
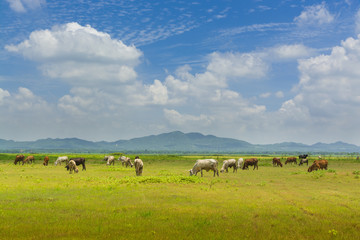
[315,15]
[290,52]
[80,53]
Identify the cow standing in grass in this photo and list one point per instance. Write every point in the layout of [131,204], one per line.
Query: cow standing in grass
[19,158]
[46,161]
[78,161]
[139,166]
[28,160]
[240,163]
[318,164]
[291,160]
[59,160]
[110,160]
[205,164]
[230,163]
[72,167]
[277,162]
[125,161]
[251,162]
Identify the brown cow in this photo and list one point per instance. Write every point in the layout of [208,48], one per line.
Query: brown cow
[318,164]
[277,162]
[18,159]
[29,159]
[250,162]
[46,161]
[291,160]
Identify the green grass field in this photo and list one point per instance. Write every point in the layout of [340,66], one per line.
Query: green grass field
[110,202]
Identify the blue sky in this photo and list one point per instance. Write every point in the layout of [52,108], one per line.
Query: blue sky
[259,71]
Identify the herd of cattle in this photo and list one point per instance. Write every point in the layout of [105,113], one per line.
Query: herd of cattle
[201,164]
[212,164]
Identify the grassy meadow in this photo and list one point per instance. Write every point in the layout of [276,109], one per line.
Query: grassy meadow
[110,202]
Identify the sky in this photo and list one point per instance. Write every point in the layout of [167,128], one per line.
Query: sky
[256,70]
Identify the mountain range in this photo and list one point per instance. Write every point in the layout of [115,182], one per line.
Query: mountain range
[172,142]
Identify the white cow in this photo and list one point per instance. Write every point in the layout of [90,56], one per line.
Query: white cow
[125,160]
[230,163]
[59,160]
[207,164]
[73,167]
[240,162]
[110,160]
[139,166]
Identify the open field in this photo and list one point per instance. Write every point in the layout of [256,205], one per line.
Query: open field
[110,202]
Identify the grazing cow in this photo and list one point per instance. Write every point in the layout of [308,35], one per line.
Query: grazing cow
[231,163]
[251,162]
[303,156]
[46,161]
[302,161]
[59,160]
[125,160]
[291,160]
[207,164]
[139,166]
[28,160]
[19,158]
[72,167]
[78,161]
[277,162]
[110,160]
[240,162]
[318,164]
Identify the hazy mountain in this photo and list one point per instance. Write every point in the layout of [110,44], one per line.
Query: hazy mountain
[172,142]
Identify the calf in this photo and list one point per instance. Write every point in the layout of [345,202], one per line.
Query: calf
[231,163]
[46,161]
[251,162]
[277,162]
[125,161]
[318,164]
[291,160]
[72,167]
[240,162]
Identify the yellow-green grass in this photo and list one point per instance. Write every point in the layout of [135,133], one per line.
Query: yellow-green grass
[110,202]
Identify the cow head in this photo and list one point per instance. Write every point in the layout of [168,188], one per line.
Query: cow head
[191,172]
[76,170]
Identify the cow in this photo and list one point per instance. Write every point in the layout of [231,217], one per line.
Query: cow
[78,161]
[304,160]
[110,160]
[230,163]
[251,162]
[139,166]
[318,164]
[59,160]
[72,167]
[291,160]
[19,158]
[240,162]
[207,164]
[28,160]
[276,162]
[303,156]
[125,160]
[46,161]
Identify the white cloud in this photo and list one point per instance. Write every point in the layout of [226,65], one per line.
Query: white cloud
[23,5]
[315,15]
[357,22]
[182,120]
[289,52]
[77,53]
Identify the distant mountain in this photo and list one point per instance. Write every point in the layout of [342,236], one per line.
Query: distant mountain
[172,142]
